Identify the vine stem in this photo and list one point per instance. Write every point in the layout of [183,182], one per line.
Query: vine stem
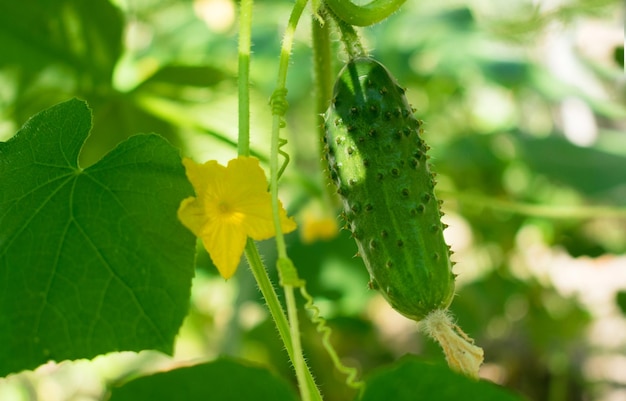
[298,361]
[349,37]
[279,105]
[289,333]
[306,384]
[245,28]
[308,389]
[267,290]
[278,315]
[323,70]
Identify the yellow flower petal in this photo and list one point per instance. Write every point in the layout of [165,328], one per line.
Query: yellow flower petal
[259,222]
[232,203]
[225,244]
[245,178]
[191,214]
[206,179]
[247,182]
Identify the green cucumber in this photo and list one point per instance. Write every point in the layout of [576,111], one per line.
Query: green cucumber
[378,161]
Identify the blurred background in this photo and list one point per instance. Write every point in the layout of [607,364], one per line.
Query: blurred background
[524,104]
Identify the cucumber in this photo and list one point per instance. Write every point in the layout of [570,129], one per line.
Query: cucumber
[378,161]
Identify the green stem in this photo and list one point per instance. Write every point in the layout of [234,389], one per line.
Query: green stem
[308,390]
[289,334]
[300,365]
[279,105]
[276,310]
[267,290]
[172,112]
[349,37]
[323,69]
[245,28]
[323,72]
[367,14]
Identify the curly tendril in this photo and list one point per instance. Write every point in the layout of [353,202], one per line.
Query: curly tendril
[368,14]
[279,105]
[325,331]
[289,276]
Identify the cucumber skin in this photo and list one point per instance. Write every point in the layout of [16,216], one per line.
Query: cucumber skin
[378,162]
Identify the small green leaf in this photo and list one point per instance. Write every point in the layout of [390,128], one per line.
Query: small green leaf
[93,260]
[221,380]
[413,380]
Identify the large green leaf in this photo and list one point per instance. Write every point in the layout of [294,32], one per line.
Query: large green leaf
[413,380]
[221,380]
[93,260]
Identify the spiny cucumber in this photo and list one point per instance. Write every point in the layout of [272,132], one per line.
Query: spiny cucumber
[378,161]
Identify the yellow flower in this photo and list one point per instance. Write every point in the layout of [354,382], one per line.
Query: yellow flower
[232,204]
[317,225]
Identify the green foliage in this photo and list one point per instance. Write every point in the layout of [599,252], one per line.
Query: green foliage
[596,173]
[74,34]
[56,49]
[223,379]
[94,260]
[512,185]
[436,383]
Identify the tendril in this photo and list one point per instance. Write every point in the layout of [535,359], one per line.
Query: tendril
[282,142]
[279,106]
[325,331]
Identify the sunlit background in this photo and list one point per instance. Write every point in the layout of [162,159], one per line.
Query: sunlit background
[524,104]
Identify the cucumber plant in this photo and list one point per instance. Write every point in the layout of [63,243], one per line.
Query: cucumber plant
[378,160]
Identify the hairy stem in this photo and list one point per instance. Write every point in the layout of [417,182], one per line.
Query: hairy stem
[367,14]
[289,335]
[245,28]
[323,73]
[349,37]
[308,389]
[276,310]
